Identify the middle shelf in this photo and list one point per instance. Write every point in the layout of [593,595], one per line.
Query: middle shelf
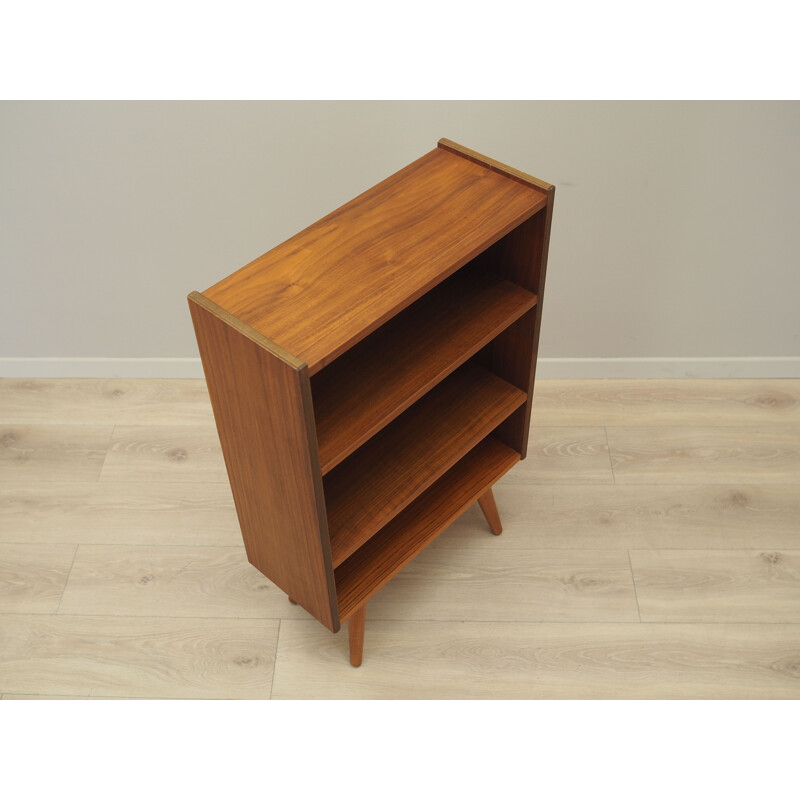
[396,465]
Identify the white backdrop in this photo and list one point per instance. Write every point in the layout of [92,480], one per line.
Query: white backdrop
[675,244]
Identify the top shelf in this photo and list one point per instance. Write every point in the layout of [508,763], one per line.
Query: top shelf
[325,289]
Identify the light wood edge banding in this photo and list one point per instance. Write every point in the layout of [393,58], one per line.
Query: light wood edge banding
[495,166]
[243,328]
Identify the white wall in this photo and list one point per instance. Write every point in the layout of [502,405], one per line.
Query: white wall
[675,244]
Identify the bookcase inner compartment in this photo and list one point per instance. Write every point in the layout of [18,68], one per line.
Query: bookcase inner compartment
[371,384]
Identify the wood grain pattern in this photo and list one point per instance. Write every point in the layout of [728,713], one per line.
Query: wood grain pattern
[367,387]
[663,517]
[705,455]
[262,407]
[495,583]
[52,452]
[173,453]
[122,513]
[144,657]
[387,428]
[188,581]
[714,586]
[88,401]
[684,403]
[376,562]
[565,455]
[524,660]
[368,489]
[489,509]
[329,286]
[681,402]
[511,356]
[521,257]
[496,166]
[355,634]
[32,578]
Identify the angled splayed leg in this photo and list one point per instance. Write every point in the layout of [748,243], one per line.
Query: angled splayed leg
[489,508]
[355,630]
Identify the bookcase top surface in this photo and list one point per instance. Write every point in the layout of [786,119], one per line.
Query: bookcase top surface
[332,284]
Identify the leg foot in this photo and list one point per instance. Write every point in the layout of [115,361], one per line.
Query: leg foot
[355,629]
[489,508]
[293,602]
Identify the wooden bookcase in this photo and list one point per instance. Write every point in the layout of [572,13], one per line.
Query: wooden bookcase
[372,376]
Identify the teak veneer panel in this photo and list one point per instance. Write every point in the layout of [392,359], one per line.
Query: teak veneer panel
[383,556]
[326,288]
[371,384]
[262,407]
[395,466]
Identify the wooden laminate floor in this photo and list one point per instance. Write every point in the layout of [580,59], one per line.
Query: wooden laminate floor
[651,550]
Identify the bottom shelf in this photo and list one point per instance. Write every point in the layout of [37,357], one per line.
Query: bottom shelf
[386,553]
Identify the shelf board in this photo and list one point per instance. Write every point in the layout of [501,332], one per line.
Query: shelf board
[386,553]
[367,387]
[394,467]
[329,286]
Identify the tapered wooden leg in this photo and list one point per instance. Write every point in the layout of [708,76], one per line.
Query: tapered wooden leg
[293,602]
[355,629]
[489,508]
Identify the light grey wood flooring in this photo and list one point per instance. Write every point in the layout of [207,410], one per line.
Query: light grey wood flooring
[651,550]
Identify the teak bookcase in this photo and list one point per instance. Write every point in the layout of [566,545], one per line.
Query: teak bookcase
[372,376]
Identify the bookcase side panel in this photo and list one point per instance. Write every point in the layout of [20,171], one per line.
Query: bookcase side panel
[262,408]
[540,253]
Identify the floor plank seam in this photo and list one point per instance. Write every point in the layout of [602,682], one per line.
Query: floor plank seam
[465,549]
[688,485]
[275,659]
[132,616]
[66,582]
[635,593]
[645,423]
[460,620]
[610,460]
[45,543]
[10,695]
[108,450]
